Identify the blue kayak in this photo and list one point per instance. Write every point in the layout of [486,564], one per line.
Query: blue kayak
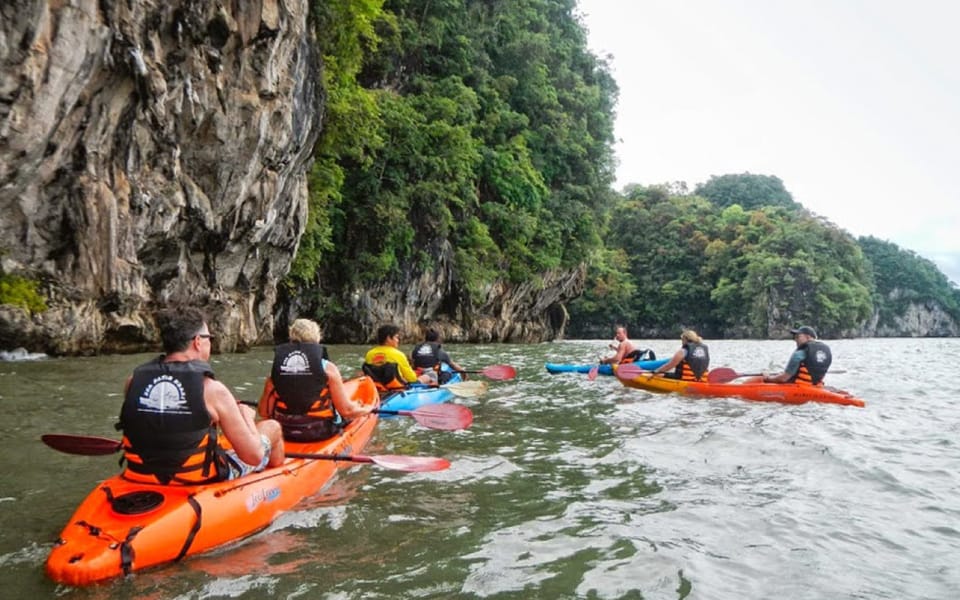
[418,395]
[602,369]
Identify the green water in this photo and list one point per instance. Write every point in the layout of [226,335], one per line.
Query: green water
[563,488]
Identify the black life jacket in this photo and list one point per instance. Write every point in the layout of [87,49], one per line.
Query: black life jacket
[638,355]
[303,406]
[695,363]
[426,355]
[300,380]
[815,364]
[168,436]
[385,376]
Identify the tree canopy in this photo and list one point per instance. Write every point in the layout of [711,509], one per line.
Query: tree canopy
[488,125]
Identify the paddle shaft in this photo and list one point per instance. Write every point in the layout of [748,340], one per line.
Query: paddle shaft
[88,445]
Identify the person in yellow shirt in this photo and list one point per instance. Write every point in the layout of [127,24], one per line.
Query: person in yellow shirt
[387,365]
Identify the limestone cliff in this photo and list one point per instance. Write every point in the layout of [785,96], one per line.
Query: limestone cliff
[913,319]
[152,153]
[532,311]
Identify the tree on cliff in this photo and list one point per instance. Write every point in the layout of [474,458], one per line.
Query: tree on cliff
[489,130]
[728,271]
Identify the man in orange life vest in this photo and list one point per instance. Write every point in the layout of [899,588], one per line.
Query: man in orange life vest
[173,408]
[809,362]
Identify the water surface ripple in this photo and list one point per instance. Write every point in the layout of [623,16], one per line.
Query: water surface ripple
[563,488]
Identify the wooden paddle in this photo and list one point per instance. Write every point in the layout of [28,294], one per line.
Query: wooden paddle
[726,374]
[89,445]
[496,372]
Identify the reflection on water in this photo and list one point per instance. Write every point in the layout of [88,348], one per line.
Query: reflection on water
[562,488]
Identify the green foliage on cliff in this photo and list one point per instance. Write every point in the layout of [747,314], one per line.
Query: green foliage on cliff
[345,35]
[748,190]
[474,129]
[903,278]
[20,291]
[727,271]
[476,136]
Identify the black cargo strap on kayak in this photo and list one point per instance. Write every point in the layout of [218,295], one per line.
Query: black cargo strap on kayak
[193,530]
[127,553]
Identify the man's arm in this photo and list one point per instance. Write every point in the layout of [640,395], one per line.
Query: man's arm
[403,367]
[793,365]
[674,361]
[235,419]
[347,408]
[267,399]
[444,357]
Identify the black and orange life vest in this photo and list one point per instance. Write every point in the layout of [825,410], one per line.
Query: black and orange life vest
[385,375]
[815,364]
[694,364]
[303,406]
[168,436]
[638,355]
[426,355]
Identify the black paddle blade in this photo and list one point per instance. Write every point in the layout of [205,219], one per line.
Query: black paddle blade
[84,445]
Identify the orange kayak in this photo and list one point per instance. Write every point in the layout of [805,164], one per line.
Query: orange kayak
[124,526]
[749,389]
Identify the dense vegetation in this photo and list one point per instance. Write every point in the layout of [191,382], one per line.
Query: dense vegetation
[703,260]
[485,128]
[19,291]
[903,278]
[481,126]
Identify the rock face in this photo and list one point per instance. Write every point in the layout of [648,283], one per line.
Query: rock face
[918,319]
[152,153]
[532,311]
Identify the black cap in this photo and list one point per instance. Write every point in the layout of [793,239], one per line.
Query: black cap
[806,330]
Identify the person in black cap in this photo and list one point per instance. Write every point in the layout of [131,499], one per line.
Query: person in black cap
[809,363]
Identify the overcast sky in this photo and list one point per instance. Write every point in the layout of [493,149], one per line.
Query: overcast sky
[853,104]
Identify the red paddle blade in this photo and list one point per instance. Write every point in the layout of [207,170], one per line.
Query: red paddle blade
[84,445]
[592,373]
[446,417]
[411,464]
[499,372]
[722,375]
[631,371]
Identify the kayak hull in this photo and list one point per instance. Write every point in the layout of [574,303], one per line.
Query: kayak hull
[418,395]
[751,389]
[124,526]
[601,369]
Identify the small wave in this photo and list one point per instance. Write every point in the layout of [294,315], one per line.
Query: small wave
[21,354]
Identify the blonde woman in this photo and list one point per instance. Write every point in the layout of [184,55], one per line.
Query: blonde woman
[691,361]
[305,391]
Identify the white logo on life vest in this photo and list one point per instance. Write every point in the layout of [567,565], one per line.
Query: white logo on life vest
[699,353]
[820,357]
[296,363]
[164,394]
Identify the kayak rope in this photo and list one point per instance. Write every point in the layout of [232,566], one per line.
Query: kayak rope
[193,530]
